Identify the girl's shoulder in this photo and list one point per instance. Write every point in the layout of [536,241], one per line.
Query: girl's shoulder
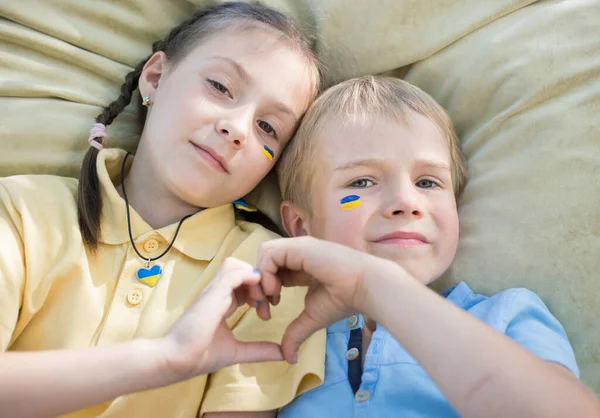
[39,199]
[41,188]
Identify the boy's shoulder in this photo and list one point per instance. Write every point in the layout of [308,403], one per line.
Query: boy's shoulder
[463,296]
[500,309]
[522,316]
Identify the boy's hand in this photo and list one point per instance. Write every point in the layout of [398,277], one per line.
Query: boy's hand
[336,277]
[201,342]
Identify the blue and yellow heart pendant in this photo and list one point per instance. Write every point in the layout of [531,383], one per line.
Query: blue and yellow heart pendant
[149,275]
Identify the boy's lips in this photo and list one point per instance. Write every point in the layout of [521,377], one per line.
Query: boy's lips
[212,157]
[402,238]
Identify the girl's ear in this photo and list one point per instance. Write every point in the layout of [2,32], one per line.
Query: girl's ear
[151,74]
[295,221]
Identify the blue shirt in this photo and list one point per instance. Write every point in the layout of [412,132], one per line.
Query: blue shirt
[393,384]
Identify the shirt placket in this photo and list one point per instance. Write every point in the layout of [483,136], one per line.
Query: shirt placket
[364,397]
[130,295]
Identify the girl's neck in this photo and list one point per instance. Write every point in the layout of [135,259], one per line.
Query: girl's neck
[151,200]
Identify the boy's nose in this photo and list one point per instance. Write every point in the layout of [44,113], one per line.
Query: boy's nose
[404,202]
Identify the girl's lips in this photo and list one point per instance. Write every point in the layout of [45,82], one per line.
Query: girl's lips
[211,157]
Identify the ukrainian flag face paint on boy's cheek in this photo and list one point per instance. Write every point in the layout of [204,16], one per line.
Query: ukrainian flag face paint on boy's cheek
[350,202]
[268,153]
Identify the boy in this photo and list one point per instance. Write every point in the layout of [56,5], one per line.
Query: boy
[376,166]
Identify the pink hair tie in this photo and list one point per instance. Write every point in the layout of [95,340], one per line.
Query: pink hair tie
[98,131]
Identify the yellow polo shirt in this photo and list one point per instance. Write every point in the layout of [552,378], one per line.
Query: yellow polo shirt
[54,294]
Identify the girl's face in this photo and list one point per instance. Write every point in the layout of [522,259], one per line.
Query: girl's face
[222,116]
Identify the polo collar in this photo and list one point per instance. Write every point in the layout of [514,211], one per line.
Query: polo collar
[200,236]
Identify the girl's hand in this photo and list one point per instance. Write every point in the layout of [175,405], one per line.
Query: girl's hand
[201,342]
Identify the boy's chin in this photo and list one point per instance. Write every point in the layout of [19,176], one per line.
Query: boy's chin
[419,268]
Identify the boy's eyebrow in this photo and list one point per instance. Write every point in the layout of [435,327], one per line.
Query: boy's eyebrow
[359,163]
[433,164]
[376,161]
[243,74]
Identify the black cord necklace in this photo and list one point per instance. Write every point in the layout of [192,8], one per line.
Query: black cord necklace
[149,275]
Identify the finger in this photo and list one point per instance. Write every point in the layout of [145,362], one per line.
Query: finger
[232,263]
[252,352]
[271,284]
[275,300]
[218,301]
[263,310]
[240,295]
[255,291]
[229,272]
[236,279]
[285,253]
[291,278]
[296,333]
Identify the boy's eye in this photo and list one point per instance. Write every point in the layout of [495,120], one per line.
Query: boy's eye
[426,184]
[362,183]
[267,128]
[219,87]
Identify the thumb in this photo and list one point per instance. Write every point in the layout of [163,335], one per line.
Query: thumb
[257,352]
[296,333]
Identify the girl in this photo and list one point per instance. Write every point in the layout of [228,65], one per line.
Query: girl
[92,314]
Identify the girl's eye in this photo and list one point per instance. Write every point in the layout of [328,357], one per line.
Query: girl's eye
[219,87]
[426,184]
[267,128]
[362,183]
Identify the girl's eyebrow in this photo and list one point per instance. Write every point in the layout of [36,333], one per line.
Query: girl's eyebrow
[241,72]
[282,108]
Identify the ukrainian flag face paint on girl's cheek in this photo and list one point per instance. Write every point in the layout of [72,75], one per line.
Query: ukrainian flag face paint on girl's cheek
[350,202]
[268,153]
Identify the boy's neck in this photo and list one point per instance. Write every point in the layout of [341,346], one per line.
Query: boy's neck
[157,207]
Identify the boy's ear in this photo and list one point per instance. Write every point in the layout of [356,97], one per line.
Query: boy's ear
[295,221]
[151,74]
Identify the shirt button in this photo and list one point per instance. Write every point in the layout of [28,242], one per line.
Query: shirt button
[135,297]
[352,354]
[352,321]
[151,245]
[362,395]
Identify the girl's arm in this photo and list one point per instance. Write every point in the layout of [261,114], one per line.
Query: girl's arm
[51,383]
[262,414]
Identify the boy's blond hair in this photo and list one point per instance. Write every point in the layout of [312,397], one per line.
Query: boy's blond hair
[357,100]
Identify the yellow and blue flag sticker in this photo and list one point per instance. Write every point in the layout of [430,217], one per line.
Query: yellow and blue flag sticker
[350,202]
[241,204]
[268,153]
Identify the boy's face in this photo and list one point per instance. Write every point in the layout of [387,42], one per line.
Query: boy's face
[401,205]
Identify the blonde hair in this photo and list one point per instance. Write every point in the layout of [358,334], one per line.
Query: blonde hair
[352,101]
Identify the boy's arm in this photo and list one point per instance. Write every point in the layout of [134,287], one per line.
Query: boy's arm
[480,371]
